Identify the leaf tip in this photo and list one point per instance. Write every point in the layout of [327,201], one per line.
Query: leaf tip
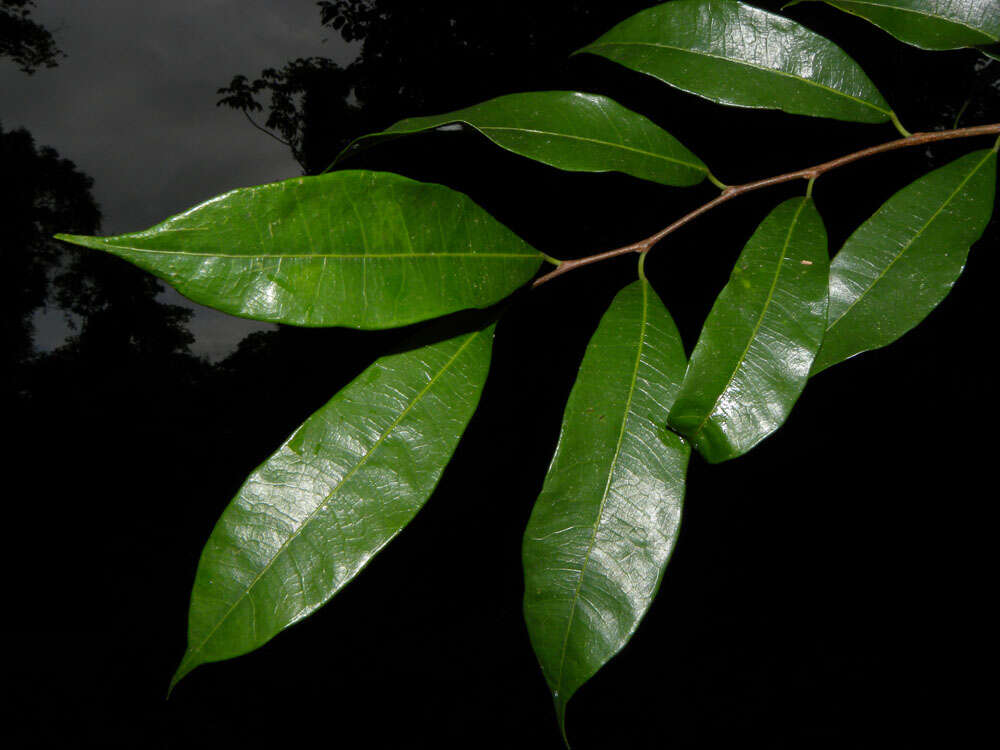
[80,239]
[186,666]
[561,718]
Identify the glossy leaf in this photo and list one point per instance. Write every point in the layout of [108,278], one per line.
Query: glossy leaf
[359,249]
[606,522]
[736,54]
[753,357]
[903,261]
[931,24]
[317,511]
[569,130]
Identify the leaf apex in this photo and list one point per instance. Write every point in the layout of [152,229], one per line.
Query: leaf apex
[81,239]
[183,670]
[561,718]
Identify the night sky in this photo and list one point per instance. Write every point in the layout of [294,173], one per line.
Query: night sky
[133,105]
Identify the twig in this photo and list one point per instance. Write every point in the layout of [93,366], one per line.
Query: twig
[265,130]
[733,191]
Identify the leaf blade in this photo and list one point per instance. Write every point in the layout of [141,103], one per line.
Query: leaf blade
[930,24]
[899,253]
[606,526]
[694,45]
[752,359]
[306,521]
[362,249]
[568,130]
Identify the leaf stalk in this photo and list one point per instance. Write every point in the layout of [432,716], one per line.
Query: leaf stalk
[732,191]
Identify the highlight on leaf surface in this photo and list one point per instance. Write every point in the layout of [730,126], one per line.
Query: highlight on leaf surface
[354,248]
[904,260]
[315,513]
[930,24]
[606,521]
[736,54]
[753,357]
[568,130]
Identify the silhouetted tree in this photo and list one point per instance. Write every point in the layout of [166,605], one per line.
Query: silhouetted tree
[112,305]
[424,58]
[43,194]
[29,44]
[120,315]
[415,58]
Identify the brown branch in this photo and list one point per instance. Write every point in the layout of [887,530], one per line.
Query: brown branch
[733,191]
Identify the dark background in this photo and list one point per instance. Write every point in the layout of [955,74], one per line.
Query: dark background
[829,590]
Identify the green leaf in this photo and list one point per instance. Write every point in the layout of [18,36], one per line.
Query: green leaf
[903,261]
[359,249]
[569,130]
[736,54]
[317,511]
[931,24]
[606,522]
[753,357]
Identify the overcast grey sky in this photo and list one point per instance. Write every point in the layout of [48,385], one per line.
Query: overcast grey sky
[133,105]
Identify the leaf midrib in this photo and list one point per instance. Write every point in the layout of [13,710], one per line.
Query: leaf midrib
[485,128]
[364,459]
[609,144]
[607,489]
[760,320]
[305,256]
[909,244]
[660,45]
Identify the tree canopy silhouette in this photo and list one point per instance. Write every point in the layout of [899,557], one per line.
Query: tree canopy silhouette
[43,194]
[25,41]
[426,58]
[414,58]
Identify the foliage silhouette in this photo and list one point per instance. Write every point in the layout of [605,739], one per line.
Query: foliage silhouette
[27,43]
[43,193]
[414,59]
